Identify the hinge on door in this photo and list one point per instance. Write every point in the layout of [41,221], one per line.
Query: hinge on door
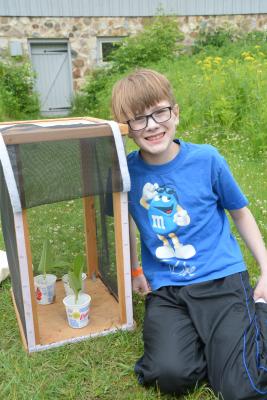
[59,108]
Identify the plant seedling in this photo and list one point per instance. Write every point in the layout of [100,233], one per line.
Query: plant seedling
[45,259]
[48,260]
[75,275]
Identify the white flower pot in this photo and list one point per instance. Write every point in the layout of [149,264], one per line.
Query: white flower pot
[45,288]
[68,289]
[77,313]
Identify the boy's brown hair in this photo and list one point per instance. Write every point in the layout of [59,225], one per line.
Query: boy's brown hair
[137,91]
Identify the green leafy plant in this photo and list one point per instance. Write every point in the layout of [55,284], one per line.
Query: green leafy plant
[75,275]
[48,260]
[160,39]
[17,96]
[215,37]
[45,259]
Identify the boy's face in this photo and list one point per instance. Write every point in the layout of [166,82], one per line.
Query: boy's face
[156,139]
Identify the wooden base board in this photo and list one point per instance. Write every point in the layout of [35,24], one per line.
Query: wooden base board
[52,318]
[53,324]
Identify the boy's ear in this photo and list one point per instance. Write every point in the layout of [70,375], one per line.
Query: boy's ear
[130,135]
[176,113]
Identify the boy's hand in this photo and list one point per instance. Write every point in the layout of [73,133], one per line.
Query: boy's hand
[181,218]
[260,291]
[149,191]
[140,285]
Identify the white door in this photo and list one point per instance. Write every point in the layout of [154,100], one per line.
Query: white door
[51,63]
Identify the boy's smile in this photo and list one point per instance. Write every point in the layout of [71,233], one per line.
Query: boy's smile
[155,137]
[156,140]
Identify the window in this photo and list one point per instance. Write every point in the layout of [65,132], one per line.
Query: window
[105,46]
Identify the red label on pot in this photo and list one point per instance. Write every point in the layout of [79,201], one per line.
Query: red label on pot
[38,294]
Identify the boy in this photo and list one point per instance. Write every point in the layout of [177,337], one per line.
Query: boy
[201,321]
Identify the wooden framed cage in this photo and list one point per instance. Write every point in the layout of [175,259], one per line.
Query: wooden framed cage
[26,150]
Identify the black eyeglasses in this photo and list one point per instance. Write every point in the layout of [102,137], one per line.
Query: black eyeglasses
[159,116]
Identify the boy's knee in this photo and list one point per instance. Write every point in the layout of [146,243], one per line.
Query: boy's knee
[177,379]
[169,374]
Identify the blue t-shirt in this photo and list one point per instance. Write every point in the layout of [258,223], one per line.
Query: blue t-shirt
[179,209]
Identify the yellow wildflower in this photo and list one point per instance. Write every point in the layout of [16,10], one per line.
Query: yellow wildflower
[218,60]
[246,54]
[249,58]
[207,65]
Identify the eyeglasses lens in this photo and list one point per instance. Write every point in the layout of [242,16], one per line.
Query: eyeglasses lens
[159,116]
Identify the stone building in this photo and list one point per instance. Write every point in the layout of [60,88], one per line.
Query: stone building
[65,39]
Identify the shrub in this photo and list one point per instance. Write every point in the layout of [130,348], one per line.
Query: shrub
[17,97]
[215,37]
[159,40]
[87,101]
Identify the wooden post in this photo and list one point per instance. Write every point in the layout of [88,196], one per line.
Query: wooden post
[119,256]
[90,236]
[30,273]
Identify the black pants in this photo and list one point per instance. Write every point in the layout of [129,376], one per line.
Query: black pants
[209,331]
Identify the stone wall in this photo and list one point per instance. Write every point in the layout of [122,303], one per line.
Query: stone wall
[82,33]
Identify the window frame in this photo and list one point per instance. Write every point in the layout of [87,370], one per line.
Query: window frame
[106,39]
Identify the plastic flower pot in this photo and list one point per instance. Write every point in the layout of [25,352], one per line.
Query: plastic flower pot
[68,289]
[77,312]
[45,288]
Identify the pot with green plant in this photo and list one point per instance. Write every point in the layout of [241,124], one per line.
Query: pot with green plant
[45,283]
[77,304]
[68,289]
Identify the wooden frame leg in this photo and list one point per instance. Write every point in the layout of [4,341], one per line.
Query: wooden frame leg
[30,272]
[119,256]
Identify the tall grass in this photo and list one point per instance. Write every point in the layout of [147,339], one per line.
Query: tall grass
[223,95]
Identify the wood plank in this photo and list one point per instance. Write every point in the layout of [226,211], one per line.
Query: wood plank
[123,127]
[48,134]
[119,255]
[104,314]
[21,330]
[30,273]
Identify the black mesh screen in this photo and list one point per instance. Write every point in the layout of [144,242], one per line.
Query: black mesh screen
[106,241]
[9,235]
[51,171]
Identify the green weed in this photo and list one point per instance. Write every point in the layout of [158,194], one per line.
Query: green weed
[18,99]
[159,40]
